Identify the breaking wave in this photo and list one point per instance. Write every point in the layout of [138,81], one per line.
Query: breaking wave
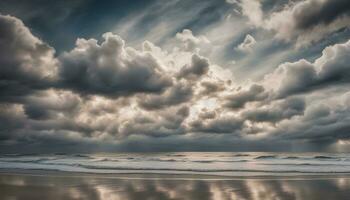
[227,164]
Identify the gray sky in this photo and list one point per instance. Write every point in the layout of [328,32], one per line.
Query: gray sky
[234,75]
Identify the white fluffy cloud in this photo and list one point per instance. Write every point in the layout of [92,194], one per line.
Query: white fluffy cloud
[192,43]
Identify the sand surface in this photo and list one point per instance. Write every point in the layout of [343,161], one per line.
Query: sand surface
[38,184]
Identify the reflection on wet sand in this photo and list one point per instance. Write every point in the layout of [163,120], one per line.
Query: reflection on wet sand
[55,187]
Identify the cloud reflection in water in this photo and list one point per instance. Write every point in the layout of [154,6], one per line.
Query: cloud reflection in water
[48,187]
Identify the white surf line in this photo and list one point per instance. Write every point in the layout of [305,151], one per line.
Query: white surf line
[103,176]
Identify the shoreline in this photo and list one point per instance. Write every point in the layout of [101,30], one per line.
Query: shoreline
[165,176]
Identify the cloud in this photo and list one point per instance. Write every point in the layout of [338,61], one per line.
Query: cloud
[329,70]
[293,78]
[192,43]
[211,123]
[275,112]
[199,66]
[310,21]
[247,45]
[113,95]
[325,123]
[12,117]
[162,124]
[251,9]
[111,69]
[175,95]
[306,21]
[210,88]
[239,99]
[50,103]
[313,13]
[26,62]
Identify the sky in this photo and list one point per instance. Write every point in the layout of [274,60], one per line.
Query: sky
[178,75]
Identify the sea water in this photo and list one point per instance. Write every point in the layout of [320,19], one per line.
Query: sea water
[205,163]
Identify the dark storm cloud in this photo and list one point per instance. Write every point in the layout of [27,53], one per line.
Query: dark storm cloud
[36,112]
[205,142]
[216,124]
[212,88]
[276,112]
[46,105]
[239,99]
[299,77]
[199,66]
[26,62]
[300,22]
[163,124]
[182,90]
[179,93]
[314,12]
[317,112]
[312,20]
[326,127]
[329,70]
[11,118]
[111,70]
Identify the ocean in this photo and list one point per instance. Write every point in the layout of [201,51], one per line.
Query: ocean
[202,163]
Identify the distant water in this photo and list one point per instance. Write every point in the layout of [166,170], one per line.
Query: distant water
[226,164]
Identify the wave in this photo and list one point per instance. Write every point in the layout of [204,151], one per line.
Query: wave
[204,161]
[241,155]
[292,157]
[35,160]
[219,161]
[107,160]
[167,160]
[81,156]
[199,170]
[176,155]
[325,157]
[18,155]
[171,163]
[306,164]
[265,157]
[171,171]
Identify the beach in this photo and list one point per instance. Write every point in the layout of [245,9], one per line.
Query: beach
[177,175]
[41,184]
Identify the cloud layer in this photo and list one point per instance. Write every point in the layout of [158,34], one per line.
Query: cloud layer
[306,21]
[107,95]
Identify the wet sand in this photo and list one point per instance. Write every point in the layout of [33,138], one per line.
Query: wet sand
[62,185]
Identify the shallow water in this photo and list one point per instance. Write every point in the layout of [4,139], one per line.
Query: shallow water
[28,187]
[221,163]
